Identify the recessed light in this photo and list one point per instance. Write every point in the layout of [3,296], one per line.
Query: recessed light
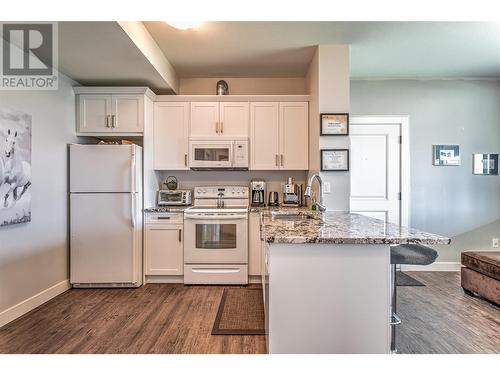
[184,25]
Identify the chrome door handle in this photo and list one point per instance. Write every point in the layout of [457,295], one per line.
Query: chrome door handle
[277,160]
[185,160]
[217,127]
[113,121]
[395,319]
[221,127]
[281,159]
[180,235]
[107,121]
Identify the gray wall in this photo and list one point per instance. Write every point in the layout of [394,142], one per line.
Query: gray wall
[445,200]
[34,256]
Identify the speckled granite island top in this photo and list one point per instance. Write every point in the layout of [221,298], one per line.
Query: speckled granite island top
[340,228]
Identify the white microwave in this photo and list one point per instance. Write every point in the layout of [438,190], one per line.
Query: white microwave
[218,154]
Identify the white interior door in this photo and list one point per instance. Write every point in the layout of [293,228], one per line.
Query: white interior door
[376,171]
[102,239]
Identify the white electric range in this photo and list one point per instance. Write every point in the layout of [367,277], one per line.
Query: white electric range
[216,236]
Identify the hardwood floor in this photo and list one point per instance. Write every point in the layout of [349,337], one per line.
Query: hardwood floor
[440,318]
[172,318]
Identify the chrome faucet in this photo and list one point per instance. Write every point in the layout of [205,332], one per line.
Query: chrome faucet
[308,192]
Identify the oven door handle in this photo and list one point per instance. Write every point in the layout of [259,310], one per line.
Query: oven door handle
[214,217]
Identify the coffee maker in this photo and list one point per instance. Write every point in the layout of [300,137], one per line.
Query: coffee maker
[292,193]
[257,193]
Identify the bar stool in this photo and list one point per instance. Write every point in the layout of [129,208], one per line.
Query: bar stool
[406,254]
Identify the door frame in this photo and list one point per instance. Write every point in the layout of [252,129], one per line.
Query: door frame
[404,124]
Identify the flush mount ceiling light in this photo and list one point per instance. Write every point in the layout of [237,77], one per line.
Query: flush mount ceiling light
[184,25]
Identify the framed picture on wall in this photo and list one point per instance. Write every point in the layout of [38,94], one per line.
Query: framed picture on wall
[334,124]
[485,164]
[445,155]
[334,160]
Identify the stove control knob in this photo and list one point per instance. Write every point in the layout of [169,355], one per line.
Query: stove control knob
[198,191]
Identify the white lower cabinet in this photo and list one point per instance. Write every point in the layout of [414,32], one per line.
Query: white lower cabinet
[164,246]
[254,245]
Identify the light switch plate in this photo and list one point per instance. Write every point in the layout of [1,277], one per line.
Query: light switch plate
[326,187]
[494,242]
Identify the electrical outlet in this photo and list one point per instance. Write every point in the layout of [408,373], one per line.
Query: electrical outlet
[494,242]
[326,187]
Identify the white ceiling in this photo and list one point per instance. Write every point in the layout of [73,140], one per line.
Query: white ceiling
[378,49]
[101,53]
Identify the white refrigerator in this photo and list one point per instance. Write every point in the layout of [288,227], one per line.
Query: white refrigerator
[105,187]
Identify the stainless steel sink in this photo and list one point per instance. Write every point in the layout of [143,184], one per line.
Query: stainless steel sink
[293,215]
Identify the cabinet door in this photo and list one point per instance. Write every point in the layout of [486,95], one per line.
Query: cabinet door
[264,135]
[164,253]
[94,113]
[128,112]
[233,119]
[171,124]
[254,245]
[294,135]
[204,119]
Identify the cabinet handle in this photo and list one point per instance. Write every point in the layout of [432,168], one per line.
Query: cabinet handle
[113,121]
[282,159]
[180,235]
[217,127]
[107,121]
[185,160]
[221,127]
[276,161]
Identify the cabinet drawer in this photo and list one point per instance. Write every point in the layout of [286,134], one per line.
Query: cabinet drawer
[164,218]
[216,274]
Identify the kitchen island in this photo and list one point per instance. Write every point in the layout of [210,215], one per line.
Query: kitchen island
[326,280]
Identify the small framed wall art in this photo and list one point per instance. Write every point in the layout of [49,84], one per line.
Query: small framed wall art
[445,155]
[335,160]
[334,124]
[485,164]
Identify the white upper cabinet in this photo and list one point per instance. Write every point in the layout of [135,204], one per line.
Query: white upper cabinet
[214,119]
[94,113]
[264,136]
[127,113]
[233,120]
[279,136]
[102,113]
[170,139]
[294,135]
[204,119]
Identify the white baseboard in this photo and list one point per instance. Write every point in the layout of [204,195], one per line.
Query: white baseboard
[437,266]
[32,302]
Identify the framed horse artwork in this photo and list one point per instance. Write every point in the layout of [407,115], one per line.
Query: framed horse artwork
[15,167]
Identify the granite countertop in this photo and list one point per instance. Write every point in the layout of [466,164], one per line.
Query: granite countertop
[277,208]
[157,209]
[340,228]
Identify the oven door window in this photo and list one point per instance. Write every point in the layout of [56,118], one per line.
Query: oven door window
[216,236]
[211,154]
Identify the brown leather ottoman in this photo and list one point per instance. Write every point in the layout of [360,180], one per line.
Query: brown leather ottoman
[481,274]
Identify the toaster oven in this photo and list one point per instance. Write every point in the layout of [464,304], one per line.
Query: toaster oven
[174,197]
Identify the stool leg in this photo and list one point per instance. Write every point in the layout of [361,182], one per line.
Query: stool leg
[393,307]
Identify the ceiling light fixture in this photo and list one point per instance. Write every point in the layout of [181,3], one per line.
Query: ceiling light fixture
[184,25]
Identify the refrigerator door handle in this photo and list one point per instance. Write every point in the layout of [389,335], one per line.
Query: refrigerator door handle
[132,188]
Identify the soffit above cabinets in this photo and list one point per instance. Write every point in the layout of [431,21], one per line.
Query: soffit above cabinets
[232,98]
